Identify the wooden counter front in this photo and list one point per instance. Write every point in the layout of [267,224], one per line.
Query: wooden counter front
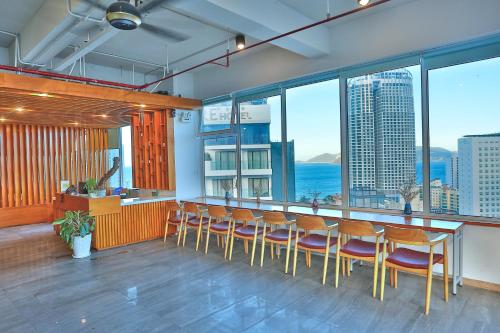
[118,225]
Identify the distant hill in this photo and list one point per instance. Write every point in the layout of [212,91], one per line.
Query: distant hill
[438,154]
[324,158]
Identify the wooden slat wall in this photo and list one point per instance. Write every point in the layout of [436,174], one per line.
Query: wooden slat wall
[34,159]
[152,152]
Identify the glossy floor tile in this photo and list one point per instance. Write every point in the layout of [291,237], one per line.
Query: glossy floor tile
[157,287]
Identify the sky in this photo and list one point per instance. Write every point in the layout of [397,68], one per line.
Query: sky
[463,99]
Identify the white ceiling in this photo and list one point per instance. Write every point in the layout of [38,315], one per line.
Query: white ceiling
[208,23]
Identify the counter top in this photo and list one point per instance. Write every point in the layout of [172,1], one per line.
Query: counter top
[142,200]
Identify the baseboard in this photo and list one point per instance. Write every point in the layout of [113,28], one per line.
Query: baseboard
[482,285]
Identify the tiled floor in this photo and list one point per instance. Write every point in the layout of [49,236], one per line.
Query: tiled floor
[157,287]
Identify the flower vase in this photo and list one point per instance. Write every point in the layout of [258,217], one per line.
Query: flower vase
[407,210]
[315,204]
[258,199]
[227,196]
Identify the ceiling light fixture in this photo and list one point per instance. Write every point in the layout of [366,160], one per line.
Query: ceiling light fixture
[19,109]
[363,2]
[104,115]
[123,15]
[2,119]
[240,42]
[41,95]
[142,105]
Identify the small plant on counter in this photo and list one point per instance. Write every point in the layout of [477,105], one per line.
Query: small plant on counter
[408,191]
[76,230]
[91,186]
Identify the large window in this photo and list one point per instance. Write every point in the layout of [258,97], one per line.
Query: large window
[313,132]
[220,166]
[464,131]
[384,135]
[260,137]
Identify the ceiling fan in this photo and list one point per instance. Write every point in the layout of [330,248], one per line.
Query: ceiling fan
[128,15]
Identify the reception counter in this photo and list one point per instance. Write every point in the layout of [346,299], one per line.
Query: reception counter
[119,221]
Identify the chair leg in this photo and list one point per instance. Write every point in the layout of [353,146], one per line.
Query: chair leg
[254,245]
[295,252]
[343,266]
[227,239]
[395,279]
[263,246]
[208,236]
[288,250]
[271,245]
[429,285]
[382,278]
[278,250]
[232,244]
[185,232]
[337,262]
[198,236]
[179,233]
[348,267]
[375,277]
[165,235]
[445,270]
[325,264]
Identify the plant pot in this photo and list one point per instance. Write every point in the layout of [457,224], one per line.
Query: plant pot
[101,193]
[227,196]
[407,210]
[81,246]
[93,195]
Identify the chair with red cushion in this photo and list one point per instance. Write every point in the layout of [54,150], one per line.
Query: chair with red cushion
[353,248]
[245,231]
[413,261]
[281,235]
[219,223]
[175,216]
[312,242]
[193,219]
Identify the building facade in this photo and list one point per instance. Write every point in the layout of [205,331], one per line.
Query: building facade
[381,137]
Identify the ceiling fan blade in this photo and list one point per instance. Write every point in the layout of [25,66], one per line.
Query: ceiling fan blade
[96,4]
[164,32]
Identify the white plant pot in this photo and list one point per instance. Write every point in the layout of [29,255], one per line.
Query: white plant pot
[93,195]
[81,246]
[101,193]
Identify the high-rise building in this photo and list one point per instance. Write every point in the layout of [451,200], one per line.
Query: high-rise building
[381,135]
[479,175]
[452,171]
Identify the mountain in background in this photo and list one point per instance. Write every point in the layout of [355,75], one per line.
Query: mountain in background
[438,154]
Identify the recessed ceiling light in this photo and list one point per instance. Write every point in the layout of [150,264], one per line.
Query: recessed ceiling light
[75,123]
[3,119]
[42,95]
[142,105]
[363,2]
[19,109]
[104,115]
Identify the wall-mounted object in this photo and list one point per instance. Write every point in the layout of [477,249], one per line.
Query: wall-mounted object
[187,117]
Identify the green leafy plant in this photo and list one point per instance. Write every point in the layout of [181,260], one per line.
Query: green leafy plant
[91,185]
[75,224]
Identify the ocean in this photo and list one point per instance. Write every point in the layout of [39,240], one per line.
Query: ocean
[326,177]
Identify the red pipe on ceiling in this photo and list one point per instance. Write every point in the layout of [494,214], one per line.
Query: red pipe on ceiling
[226,55]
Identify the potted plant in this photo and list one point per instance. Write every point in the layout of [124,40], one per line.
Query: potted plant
[76,229]
[91,186]
[227,186]
[408,192]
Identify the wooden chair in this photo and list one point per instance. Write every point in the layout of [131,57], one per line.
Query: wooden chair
[352,248]
[245,231]
[219,223]
[311,242]
[414,261]
[278,236]
[175,215]
[193,219]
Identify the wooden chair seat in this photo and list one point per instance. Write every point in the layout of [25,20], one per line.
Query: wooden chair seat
[360,248]
[248,231]
[413,259]
[315,241]
[281,235]
[222,226]
[195,221]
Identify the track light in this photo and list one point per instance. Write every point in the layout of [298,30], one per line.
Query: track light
[363,2]
[240,42]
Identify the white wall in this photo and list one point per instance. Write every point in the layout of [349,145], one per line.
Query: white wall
[4,56]
[482,253]
[412,26]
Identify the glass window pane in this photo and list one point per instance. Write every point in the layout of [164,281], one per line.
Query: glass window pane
[464,127]
[220,166]
[216,117]
[313,132]
[384,132]
[260,133]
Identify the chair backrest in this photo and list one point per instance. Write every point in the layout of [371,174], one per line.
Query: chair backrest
[310,223]
[406,235]
[274,218]
[241,214]
[190,207]
[356,228]
[173,206]
[217,211]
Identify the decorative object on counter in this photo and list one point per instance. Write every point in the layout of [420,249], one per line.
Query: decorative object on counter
[315,202]
[82,188]
[91,186]
[71,190]
[258,190]
[110,173]
[408,191]
[227,185]
[76,229]
[155,193]
[64,185]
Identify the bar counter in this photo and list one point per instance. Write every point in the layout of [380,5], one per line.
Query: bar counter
[119,221]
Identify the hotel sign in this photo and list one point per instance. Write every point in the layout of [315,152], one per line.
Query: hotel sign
[249,114]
